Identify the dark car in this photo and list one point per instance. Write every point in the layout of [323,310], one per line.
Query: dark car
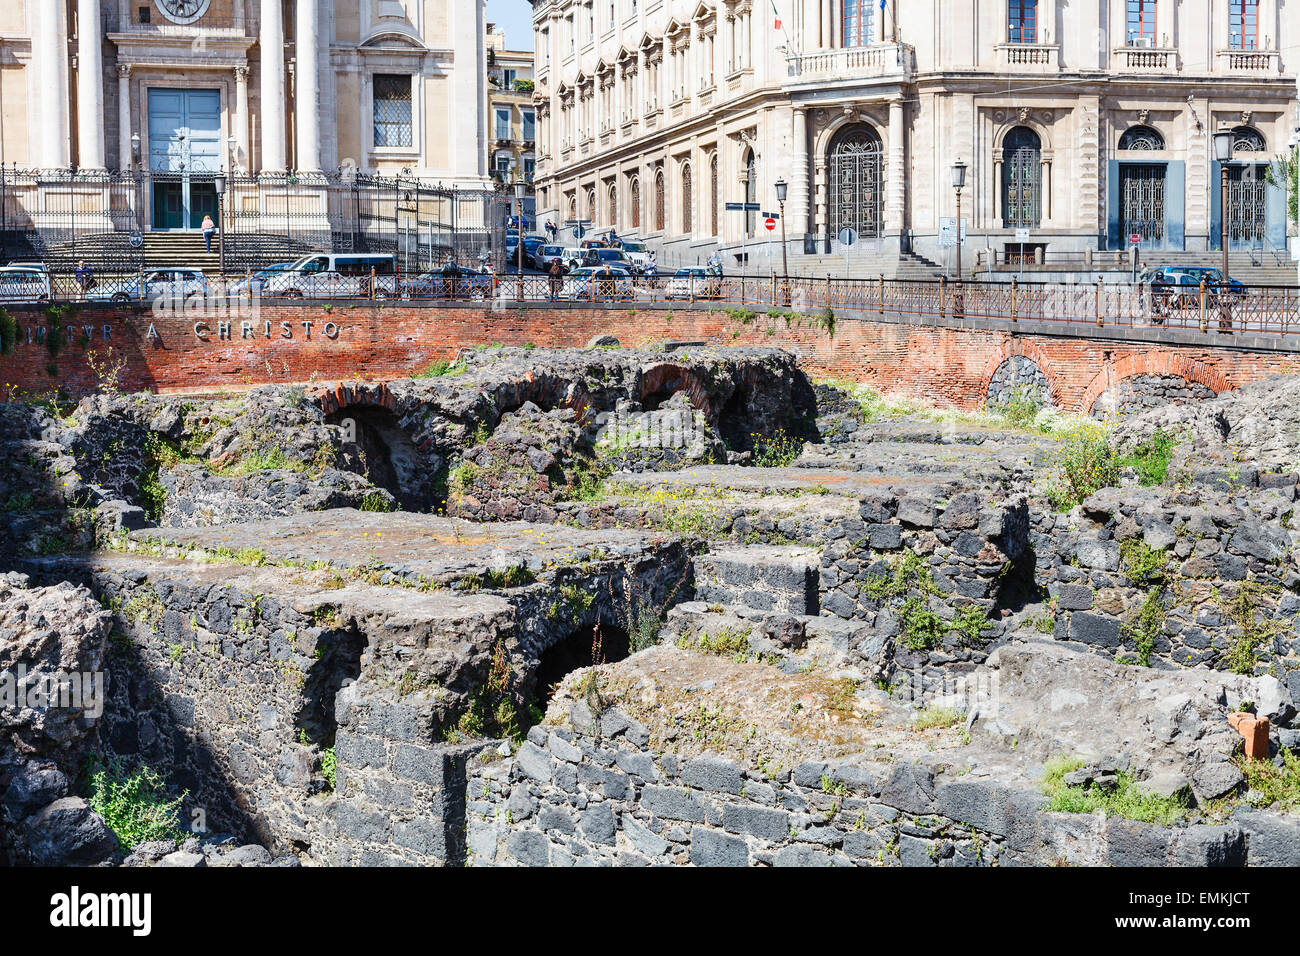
[1179,287]
[449,282]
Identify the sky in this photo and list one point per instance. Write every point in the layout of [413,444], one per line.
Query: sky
[516,16]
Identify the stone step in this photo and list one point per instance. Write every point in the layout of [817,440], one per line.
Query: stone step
[762,577]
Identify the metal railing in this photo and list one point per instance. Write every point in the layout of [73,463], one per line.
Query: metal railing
[1253,309]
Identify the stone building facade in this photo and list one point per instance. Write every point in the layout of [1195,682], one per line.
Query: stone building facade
[512,118]
[185,89]
[1081,125]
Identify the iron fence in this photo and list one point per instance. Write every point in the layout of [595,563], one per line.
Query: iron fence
[112,219]
[1253,309]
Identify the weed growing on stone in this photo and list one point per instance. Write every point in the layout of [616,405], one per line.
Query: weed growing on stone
[939,717]
[1122,800]
[1146,627]
[1243,610]
[329,767]
[134,803]
[730,642]
[1151,458]
[1273,784]
[374,501]
[1142,564]
[776,450]
[1084,463]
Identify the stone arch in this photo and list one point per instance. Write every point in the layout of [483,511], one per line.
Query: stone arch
[545,391]
[855,180]
[659,382]
[1031,352]
[1154,364]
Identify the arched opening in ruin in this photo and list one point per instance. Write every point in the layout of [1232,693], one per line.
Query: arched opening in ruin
[586,646]
[338,660]
[375,445]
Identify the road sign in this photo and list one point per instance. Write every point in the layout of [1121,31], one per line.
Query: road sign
[769,223]
[1022,235]
[948,230]
[136,240]
[742,207]
[848,237]
[1135,239]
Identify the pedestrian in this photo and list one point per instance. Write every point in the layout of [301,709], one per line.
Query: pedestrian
[556,281]
[85,277]
[209,230]
[551,229]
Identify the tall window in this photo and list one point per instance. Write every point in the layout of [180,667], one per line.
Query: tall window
[858,27]
[1022,188]
[1243,24]
[634,191]
[1142,22]
[503,122]
[659,199]
[530,125]
[713,193]
[392,95]
[1022,21]
[611,197]
[688,200]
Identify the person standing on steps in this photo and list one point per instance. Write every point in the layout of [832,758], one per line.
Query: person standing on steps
[209,230]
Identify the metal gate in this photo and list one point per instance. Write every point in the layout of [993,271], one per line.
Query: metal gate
[1247,185]
[1022,186]
[855,183]
[1142,201]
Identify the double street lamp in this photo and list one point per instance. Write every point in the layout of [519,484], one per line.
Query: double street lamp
[1223,153]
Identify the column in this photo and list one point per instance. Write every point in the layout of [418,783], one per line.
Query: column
[124,156]
[90,87]
[241,118]
[271,40]
[894,195]
[49,57]
[693,66]
[307,106]
[642,83]
[798,219]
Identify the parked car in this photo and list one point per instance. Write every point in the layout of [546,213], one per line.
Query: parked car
[149,286]
[572,257]
[25,283]
[1179,287]
[547,254]
[449,282]
[697,282]
[615,257]
[336,275]
[594,283]
[256,283]
[638,255]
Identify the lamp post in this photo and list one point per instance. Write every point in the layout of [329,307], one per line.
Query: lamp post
[521,188]
[958,183]
[1223,153]
[1294,143]
[219,183]
[781,190]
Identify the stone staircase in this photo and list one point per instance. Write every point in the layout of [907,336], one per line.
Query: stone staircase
[112,252]
[867,265]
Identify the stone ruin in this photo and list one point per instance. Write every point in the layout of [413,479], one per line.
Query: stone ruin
[677,606]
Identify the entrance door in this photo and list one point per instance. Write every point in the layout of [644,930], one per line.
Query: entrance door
[1142,198]
[1247,186]
[184,155]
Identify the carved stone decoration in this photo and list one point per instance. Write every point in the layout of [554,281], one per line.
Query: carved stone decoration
[1024,114]
[1142,116]
[1245,117]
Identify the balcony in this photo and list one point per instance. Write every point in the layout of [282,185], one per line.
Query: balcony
[1256,62]
[852,63]
[127,24]
[1144,59]
[1029,57]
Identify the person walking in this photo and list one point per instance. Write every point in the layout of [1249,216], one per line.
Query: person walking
[209,230]
[556,280]
[85,277]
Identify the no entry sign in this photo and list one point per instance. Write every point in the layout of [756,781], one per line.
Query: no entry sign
[769,224]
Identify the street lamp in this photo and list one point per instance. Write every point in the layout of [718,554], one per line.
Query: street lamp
[782,189]
[958,183]
[521,188]
[1223,153]
[219,183]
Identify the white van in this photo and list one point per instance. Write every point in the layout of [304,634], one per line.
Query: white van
[325,275]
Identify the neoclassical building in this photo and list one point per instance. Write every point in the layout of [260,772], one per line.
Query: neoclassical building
[185,89]
[1081,124]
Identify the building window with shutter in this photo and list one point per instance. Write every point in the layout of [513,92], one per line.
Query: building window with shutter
[392,96]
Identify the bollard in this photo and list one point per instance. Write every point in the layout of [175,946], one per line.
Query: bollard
[1013,299]
[1098,297]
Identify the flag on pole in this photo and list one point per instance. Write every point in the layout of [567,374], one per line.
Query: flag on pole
[777,24]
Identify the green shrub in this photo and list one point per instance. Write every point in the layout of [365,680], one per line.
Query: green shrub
[329,765]
[776,450]
[1124,800]
[134,803]
[1151,458]
[1021,408]
[1084,462]
[441,368]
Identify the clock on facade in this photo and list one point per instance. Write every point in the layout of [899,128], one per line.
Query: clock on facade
[183,11]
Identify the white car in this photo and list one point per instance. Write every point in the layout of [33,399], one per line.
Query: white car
[174,283]
[638,255]
[30,283]
[572,258]
[325,275]
[593,284]
[693,283]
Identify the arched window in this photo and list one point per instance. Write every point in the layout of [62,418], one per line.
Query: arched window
[1022,186]
[591,203]
[855,160]
[634,191]
[1247,139]
[1141,137]
[858,27]
[659,199]
[573,206]
[612,198]
[713,194]
[688,201]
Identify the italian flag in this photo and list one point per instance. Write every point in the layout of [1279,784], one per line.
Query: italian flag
[776,17]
